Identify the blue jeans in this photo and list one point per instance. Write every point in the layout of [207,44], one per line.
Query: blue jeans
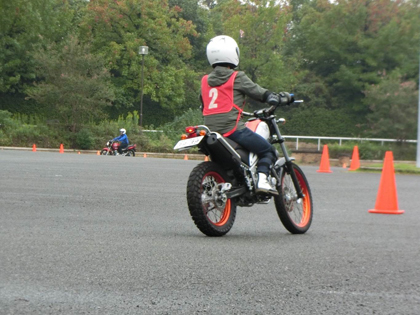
[258,145]
[122,147]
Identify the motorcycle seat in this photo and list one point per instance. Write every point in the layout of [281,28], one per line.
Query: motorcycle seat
[244,153]
[233,143]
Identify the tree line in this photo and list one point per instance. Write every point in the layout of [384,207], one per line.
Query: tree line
[355,63]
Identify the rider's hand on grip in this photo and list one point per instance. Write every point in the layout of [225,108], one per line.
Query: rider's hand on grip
[286,98]
[273,99]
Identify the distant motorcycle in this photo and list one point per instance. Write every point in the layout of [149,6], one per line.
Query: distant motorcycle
[112,149]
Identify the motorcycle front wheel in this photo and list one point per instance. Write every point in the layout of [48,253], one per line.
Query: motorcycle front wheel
[295,214]
[104,152]
[211,212]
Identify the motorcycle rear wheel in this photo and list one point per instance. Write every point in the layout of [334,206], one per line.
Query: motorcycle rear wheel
[295,216]
[131,153]
[212,215]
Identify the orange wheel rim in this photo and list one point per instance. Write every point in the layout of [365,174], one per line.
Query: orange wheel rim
[306,202]
[225,213]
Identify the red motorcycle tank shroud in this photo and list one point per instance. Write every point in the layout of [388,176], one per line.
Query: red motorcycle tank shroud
[259,127]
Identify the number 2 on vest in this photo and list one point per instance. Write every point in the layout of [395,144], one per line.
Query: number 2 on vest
[213,94]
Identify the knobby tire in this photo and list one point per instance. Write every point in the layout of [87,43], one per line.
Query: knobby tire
[296,217]
[212,218]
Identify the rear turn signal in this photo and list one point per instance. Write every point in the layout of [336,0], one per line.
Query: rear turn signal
[202,133]
[183,137]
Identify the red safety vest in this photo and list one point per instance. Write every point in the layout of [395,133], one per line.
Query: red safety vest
[219,99]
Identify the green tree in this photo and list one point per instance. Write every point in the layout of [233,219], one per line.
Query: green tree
[393,104]
[199,16]
[346,44]
[76,85]
[118,28]
[23,24]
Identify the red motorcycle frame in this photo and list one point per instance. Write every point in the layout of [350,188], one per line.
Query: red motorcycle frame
[112,149]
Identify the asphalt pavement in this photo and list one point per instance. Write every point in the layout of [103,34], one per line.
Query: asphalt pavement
[87,234]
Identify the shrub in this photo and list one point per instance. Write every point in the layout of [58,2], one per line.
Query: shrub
[6,123]
[174,129]
[6,120]
[164,144]
[374,151]
[85,139]
[312,121]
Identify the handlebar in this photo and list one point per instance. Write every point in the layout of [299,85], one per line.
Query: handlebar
[265,112]
[247,114]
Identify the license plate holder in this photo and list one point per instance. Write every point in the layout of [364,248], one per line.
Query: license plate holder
[188,143]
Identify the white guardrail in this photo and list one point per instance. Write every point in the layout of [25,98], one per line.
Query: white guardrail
[340,139]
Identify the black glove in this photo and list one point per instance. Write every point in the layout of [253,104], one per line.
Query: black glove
[286,98]
[273,99]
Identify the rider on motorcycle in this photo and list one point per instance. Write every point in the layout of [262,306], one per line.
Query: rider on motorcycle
[123,139]
[223,94]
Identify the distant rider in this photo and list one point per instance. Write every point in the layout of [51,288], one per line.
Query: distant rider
[122,139]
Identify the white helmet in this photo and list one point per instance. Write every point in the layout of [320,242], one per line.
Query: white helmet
[223,49]
[122,131]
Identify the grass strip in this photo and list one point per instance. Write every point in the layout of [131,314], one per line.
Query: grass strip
[400,168]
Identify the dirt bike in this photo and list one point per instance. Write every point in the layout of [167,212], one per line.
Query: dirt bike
[216,187]
[112,149]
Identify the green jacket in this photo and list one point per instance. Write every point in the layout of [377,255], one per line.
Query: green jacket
[243,87]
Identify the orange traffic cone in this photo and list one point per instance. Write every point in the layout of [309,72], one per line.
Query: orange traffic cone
[98,153]
[145,155]
[185,157]
[386,200]
[355,162]
[78,152]
[325,161]
[206,158]
[61,149]
[34,148]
